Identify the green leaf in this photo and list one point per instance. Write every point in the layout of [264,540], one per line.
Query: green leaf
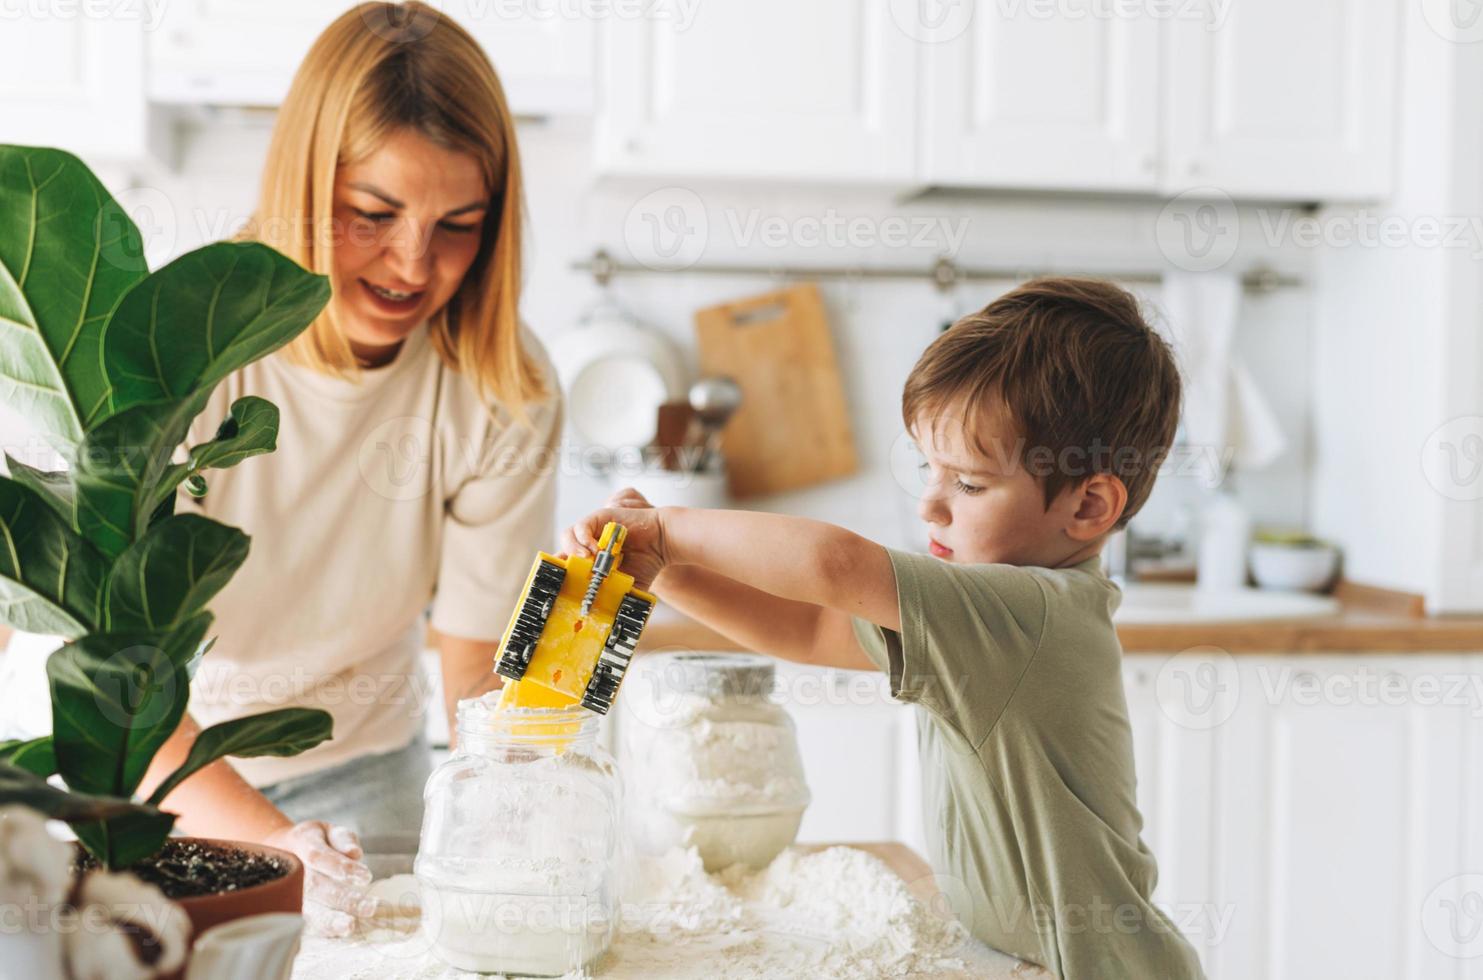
[52,486]
[110,717]
[35,756]
[116,831]
[187,643]
[125,839]
[250,429]
[51,580]
[17,785]
[172,339]
[124,474]
[287,731]
[171,572]
[164,510]
[203,316]
[115,698]
[68,254]
[123,463]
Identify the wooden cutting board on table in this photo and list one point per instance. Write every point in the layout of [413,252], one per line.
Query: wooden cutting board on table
[793,427]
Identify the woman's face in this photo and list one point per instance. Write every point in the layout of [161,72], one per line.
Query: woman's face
[410,217]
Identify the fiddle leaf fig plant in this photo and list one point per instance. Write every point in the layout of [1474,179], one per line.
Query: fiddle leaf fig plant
[111,363]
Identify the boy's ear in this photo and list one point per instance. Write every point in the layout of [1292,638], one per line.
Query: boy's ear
[1099,502]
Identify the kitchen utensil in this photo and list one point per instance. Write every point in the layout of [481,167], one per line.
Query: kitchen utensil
[673,427]
[792,429]
[714,401]
[571,636]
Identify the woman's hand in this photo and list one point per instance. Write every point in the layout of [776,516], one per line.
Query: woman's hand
[335,877]
[644,553]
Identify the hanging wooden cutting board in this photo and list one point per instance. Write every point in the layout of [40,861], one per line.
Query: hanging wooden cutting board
[793,427]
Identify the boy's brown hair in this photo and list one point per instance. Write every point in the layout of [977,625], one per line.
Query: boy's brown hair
[1089,385]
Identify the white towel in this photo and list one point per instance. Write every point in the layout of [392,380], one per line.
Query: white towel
[1223,406]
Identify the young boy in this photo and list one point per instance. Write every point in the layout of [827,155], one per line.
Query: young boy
[1042,420]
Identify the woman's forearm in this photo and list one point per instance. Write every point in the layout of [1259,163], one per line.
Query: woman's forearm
[216,800]
[468,671]
[792,557]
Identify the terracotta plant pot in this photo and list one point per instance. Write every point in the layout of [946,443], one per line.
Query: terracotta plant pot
[285,894]
[282,894]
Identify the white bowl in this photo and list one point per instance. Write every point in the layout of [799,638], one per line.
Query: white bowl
[722,839]
[1280,566]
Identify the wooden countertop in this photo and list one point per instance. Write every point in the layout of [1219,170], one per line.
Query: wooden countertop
[1371,620]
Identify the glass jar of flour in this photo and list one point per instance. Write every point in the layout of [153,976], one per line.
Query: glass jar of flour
[518,861]
[710,759]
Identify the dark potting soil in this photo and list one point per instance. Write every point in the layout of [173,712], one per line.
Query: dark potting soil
[189,868]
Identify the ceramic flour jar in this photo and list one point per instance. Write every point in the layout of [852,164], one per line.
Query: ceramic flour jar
[710,759]
[520,843]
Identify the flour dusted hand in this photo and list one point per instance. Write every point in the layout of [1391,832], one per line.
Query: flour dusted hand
[643,551]
[335,877]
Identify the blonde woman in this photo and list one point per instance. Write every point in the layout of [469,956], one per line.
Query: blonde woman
[419,424]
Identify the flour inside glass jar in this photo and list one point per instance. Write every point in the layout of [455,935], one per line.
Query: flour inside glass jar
[712,760]
[517,863]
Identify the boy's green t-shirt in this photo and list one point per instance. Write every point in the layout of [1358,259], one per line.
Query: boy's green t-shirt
[1027,763]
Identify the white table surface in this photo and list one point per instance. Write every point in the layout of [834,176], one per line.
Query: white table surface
[402,958]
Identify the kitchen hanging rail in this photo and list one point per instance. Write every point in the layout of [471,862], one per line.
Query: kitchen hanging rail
[944,273]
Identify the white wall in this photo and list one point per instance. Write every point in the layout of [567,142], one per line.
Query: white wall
[880,326]
[1397,360]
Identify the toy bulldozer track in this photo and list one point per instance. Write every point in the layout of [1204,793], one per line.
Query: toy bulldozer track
[574,632]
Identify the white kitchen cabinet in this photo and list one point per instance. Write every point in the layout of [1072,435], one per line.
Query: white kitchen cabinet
[855,759]
[233,52]
[245,52]
[758,89]
[1018,99]
[544,53]
[1284,100]
[1306,810]
[1174,785]
[75,81]
[1259,99]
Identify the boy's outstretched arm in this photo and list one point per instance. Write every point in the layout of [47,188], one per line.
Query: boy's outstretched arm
[791,557]
[760,621]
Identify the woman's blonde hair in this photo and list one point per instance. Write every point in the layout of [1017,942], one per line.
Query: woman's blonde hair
[378,69]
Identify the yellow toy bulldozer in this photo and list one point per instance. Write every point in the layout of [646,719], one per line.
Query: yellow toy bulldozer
[574,631]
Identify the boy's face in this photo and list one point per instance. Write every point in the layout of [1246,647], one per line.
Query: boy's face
[987,508]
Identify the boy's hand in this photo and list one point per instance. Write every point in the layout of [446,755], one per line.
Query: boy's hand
[644,553]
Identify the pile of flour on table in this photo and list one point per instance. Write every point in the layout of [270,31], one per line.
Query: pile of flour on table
[835,913]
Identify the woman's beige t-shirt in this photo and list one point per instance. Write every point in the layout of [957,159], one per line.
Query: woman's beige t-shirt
[383,495]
